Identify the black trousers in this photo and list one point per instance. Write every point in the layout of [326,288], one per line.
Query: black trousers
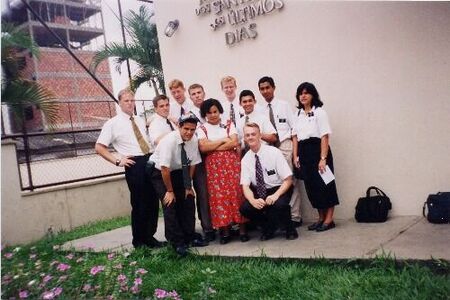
[201,193]
[179,216]
[144,203]
[272,216]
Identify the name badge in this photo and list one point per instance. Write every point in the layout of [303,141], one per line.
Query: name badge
[270,172]
[282,120]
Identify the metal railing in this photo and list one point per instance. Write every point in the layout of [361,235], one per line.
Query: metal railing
[65,154]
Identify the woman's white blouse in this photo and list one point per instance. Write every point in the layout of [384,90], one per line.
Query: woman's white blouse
[314,125]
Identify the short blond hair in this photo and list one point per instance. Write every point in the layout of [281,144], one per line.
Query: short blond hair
[176,83]
[227,79]
[125,91]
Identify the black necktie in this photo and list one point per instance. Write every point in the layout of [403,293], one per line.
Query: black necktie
[232,118]
[181,111]
[185,167]
[246,119]
[260,185]
[271,116]
[170,124]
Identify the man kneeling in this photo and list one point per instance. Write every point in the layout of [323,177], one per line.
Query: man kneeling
[266,180]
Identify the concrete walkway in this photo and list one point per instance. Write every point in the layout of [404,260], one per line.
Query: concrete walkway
[409,237]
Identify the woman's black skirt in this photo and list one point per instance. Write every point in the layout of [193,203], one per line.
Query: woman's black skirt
[320,195]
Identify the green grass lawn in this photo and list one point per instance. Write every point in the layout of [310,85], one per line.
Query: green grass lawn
[40,270]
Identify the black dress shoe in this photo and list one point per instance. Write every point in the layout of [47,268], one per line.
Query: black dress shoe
[225,239]
[267,236]
[181,250]
[154,243]
[199,243]
[210,236]
[291,234]
[297,223]
[325,227]
[315,225]
[244,237]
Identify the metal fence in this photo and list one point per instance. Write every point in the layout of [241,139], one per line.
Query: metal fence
[64,154]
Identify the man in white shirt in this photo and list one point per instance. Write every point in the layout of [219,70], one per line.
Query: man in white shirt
[248,102]
[126,132]
[181,105]
[266,181]
[175,159]
[161,125]
[197,95]
[281,115]
[231,108]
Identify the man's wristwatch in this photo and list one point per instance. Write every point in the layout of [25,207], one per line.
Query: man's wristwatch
[117,162]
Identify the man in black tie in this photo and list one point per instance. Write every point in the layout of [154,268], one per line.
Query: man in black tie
[160,125]
[126,132]
[175,158]
[266,181]
[181,105]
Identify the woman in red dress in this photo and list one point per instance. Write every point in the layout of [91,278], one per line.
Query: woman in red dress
[223,168]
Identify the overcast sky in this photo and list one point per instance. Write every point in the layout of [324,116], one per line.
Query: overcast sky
[114,34]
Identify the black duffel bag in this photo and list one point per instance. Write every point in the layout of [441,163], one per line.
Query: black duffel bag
[438,206]
[373,209]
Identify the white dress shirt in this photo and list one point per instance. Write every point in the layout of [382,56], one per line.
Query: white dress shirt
[274,165]
[215,132]
[196,111]
[314,125]
[118,131]
[283,114]
[159,127]
[255,117]
[168,152]
[175,108]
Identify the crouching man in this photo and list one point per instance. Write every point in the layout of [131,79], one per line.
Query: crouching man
[266,180]
[175,158]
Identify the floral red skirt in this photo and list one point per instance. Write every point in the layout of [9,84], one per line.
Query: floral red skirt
[223,171]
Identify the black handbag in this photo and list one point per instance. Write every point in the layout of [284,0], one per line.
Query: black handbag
[373,209]
[438,206]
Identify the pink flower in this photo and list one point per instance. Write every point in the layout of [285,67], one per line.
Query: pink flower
[111,256]
[123,288]
[8,255]
[97,269]
[135,289]
[121,278]
[47,278]
[62,267]
[87,288]
[23,294]
[141,271]
[109,297]
[160,294]
[174,295]
[70,256]
[7,279]
[48,295]
[57,291]
[138,281]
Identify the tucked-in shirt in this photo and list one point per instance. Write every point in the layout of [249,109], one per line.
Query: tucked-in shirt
[175,108]
[283,115]
[226,105]
[315,125]
[274,165]
[215,132]
[168,152]
[118,131]
[159,127]
[255,117]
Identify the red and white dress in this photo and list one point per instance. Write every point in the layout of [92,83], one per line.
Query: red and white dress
[223,169]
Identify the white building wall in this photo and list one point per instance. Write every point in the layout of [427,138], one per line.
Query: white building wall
[382,70]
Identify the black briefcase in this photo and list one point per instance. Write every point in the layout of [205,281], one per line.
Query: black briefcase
[438,206]
[373,209]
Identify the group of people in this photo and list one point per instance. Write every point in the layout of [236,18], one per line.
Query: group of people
[233,159]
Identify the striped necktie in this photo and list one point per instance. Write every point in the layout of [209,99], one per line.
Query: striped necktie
[141,141]
[260,185]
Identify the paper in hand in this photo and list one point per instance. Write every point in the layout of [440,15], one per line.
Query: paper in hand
[327,176]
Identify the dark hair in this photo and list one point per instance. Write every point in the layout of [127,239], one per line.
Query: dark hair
[207,104]
[158,98]
[267,79]
[311,89]
[187,119]
[246,93]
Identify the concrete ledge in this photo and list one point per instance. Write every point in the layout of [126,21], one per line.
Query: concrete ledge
[408,237]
